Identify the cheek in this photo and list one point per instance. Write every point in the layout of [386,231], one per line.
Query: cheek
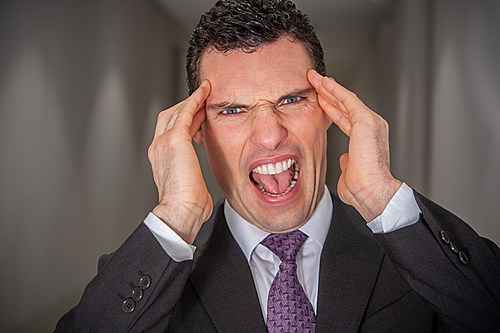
[311,122]
[213,145]
[311,131]
[222,144]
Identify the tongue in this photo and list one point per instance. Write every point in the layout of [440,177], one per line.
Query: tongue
[275,184]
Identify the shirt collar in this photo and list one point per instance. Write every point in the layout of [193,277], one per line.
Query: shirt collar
[249,236]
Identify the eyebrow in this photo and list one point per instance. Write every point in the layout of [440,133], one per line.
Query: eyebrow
[230,105]
[297,93]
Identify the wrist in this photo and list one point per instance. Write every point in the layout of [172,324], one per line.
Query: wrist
[371,203]
[184,222]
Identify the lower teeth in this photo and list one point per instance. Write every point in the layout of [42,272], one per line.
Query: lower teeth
[292,184]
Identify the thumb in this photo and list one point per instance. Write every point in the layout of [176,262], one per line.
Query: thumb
[344,159]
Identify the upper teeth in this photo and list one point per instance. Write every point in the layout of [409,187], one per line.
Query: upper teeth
[274,168]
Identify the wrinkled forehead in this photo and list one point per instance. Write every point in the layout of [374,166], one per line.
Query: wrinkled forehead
[263,74]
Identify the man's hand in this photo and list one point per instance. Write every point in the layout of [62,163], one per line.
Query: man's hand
[184,202]
[366,181]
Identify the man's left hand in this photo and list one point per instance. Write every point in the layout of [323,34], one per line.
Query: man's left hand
[366,181]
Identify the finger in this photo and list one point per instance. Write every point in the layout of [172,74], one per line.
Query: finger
[183,117]
[344,159]
[340,191]
[164,118]
[173,117]
[337,117]
[348,99]
[331,105]
[316,80]
[198,119]
[167,118]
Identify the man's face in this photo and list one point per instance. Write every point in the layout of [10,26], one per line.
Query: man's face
[262,115]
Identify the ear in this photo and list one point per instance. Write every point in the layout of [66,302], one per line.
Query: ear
[198,138]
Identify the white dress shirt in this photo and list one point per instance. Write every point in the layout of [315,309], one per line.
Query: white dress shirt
[401,211]
[264,264]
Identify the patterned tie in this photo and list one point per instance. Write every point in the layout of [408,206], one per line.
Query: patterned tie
[288,308]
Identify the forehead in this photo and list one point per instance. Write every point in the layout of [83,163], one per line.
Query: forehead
[265,74]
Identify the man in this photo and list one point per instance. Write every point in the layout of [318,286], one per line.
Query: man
[261,110]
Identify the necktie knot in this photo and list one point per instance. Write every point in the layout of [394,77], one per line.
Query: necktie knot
[287,245]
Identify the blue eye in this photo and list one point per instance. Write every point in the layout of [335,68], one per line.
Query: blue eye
[231,111]
[291,100]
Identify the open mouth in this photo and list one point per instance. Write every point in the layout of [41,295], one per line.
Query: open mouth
[276,179]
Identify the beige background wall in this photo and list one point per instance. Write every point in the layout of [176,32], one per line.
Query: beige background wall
[81,83]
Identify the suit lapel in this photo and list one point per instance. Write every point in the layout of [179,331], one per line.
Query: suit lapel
[223,280]
[350,263]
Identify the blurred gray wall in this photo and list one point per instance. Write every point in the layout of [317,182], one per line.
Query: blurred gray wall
[465,117]
[81,83]
[432,69]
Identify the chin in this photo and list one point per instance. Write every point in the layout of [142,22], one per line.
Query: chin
[286,225]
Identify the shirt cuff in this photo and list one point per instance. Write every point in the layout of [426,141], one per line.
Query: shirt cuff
[173,244]
[402,211]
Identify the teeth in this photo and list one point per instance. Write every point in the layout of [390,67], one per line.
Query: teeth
[279,168]
[264,170]
[273,169]
[292,183]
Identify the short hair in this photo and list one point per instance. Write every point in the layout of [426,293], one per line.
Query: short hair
[248,25]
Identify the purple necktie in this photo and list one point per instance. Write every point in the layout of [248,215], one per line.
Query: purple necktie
[288,308]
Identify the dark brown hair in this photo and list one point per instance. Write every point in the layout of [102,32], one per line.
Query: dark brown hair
[248,25]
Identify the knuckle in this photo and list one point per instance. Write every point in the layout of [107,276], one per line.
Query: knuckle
[151,151]
[385,124]
[161,115]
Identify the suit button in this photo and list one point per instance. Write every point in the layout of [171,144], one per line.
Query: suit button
[445,237]
[453,247]
[463,258]
[137,294]
[128,305]
[145,282]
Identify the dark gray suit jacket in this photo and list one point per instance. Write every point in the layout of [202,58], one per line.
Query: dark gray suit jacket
[410,280]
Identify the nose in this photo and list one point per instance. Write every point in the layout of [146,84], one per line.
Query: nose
[268,130]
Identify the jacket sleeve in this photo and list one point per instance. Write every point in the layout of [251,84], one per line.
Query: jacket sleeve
[452,268]
[129,283]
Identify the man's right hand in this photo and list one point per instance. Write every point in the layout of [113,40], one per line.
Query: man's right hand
[184,202]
